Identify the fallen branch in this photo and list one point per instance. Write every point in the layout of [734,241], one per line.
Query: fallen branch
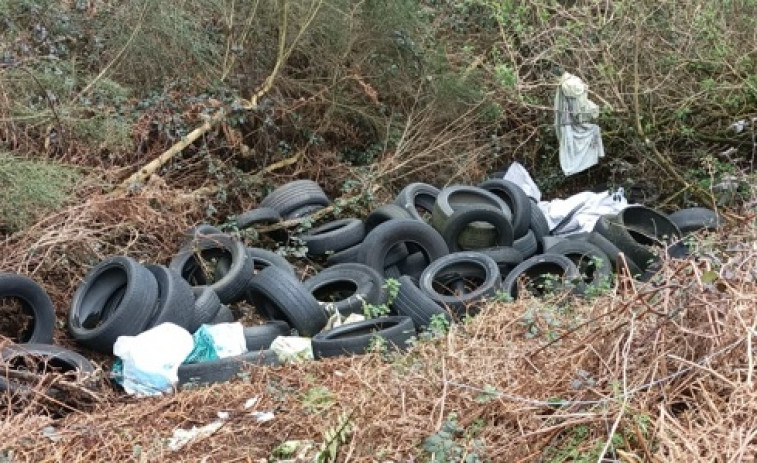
[209,190]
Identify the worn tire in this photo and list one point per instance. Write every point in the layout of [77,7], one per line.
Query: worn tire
[294,196]
[385,213]
[230,285]
[463,217]
[355,338]
[477,234]
[224,315]
[43,356]
[225,369]
[35,303]
[175,298]
[516,199]
[378,243]
[118,297]
[417,196]
[693,219]
[206,307]
[593,264]
[506,257]
[333,236]
[261,215]
[461,265]
[615,232]
[614,254]
[203,229]
[539,223]
[413,265]
[414,303]
[262,258]
[280,296]
[260,337]
[537,267]
[527,244]
[349,286]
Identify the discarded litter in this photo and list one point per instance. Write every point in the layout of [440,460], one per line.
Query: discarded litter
[150,360]
[292,349]
[182,437]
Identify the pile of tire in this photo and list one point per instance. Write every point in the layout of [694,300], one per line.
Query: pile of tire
[454,248]
[32,353]
[451,250]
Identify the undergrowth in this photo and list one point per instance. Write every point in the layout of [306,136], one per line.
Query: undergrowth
[31,188]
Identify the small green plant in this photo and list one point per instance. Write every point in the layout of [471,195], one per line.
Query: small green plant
[502,296]
[378,345]
[392,287]
[334,437]
[317,399]
[439,324]
[451,442]
[487,394]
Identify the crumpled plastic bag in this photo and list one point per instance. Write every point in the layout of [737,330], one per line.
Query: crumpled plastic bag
[292,349]
[212,342]
[150,361]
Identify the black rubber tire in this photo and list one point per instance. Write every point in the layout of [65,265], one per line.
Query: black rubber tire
[224,315]
[42,357]
[414,303]
[206,307]
[356,338]
[516,199]
[652,224]
[344,256]
[35,303]
[593,264]
[385,213]
[353,284]
[417,196]
[641,255]
[463,217]
[295,195]
[260,337]
[261,215]
[118,297]
[230,286]
[225,369]
[527,244]
[693,219]
[506,257]
[413,265]
[539,266]
[376,245]
[539,223]
[303,211]
[614,254]
[201,230]
[280,296]
[477,234]
[262,258]
[548,241]
[176,300]
[333,236]
[466,264]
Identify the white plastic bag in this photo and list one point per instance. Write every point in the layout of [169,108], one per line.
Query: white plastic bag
[151,359]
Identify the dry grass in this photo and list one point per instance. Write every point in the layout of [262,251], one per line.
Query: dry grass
[662,371]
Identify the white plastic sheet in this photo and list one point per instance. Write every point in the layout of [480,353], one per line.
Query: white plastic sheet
[580,139]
